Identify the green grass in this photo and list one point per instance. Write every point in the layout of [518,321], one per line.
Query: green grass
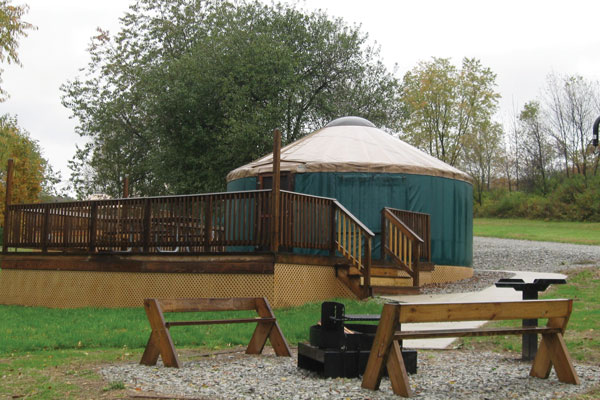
[583,332]
[51,353]
[27,329]
[546,231]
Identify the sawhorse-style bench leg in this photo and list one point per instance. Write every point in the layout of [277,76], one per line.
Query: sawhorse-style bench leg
[160,342]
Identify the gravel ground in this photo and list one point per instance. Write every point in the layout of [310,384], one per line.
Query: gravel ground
[441,375]
[526,255]
[493,257]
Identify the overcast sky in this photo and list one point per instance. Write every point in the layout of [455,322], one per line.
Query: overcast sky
[521,41]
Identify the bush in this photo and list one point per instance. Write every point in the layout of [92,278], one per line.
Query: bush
[571,199]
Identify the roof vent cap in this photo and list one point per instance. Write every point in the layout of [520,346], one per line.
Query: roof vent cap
[351,121]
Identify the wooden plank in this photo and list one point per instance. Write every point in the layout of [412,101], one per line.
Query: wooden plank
[146,228]
[381,346]
[93,227]
[163,339]
[484,311]
[110,263]
[207,304]
[7,201]
[169,324]
[448,333]
[559,355]
[280,345]
[259,337]
[397,371]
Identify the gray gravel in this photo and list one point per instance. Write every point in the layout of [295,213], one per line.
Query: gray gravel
[492,258]
[526,255]
[441,374]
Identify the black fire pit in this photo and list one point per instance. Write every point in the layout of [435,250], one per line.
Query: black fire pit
[340,347]
[530,292]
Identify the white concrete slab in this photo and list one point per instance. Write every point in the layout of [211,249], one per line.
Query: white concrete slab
[491,293]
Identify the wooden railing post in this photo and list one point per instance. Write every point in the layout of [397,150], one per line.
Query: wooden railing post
[367,274]
[45,228]
[7,200]
[93,226]
[146,226]
[417,257]
[207,223]
[275,192]
[333,233]
[383,234]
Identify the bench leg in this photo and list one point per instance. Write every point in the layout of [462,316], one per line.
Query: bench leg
[270,330]
[380,350]
[160,338]
[553,351]
[152,351]
[259,337]
[397,371]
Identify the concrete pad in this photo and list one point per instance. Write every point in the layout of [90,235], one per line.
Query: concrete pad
[491,293]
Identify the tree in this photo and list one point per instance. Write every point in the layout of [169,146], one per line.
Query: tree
[571,108]
[444,105]
[189,90]
[483,155]
[32,173]
[12,28]
[537,149]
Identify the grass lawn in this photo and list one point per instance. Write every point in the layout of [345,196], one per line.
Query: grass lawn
[51,353]
[546,231]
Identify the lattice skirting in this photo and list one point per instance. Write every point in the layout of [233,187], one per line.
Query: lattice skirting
[445,274]
[290,285]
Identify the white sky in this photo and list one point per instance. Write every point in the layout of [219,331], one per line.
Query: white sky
[521,41]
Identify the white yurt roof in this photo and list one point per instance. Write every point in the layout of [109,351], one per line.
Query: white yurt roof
[351,144]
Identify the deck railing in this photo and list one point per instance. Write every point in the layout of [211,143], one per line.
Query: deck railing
[191,224]
[419,223]
[401,243]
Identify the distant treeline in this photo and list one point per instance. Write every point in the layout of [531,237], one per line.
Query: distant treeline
[573,198]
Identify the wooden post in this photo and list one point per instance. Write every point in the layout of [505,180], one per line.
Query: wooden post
[383,237]
[93,226]
[7,200]
[146,226]
[367,274]
[126,187]
[275,191]
[332,226]
[45,228]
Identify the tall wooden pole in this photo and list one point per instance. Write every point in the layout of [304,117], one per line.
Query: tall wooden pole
[7,200]
[275,192]
[126,187]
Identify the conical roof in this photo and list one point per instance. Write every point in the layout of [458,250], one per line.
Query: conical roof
[351,144]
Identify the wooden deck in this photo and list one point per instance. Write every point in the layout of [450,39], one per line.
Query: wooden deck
[217,233]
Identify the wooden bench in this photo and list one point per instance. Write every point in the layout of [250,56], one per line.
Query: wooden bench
[386,347]
[160,342]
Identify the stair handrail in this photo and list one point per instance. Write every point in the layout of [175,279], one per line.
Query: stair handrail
[419,223]
[406,256]
[349,237]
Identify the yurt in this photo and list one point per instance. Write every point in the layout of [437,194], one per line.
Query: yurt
[367,169]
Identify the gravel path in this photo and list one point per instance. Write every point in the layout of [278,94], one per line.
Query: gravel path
[442,374]
[492,257]
[526,255]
